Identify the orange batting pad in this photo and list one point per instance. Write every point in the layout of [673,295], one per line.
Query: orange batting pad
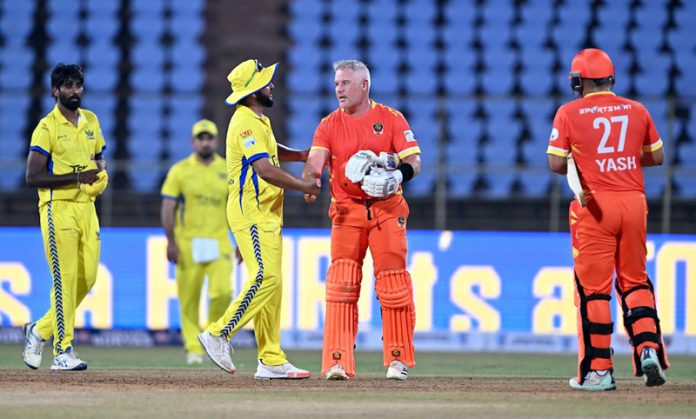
[395,294]
[341,321]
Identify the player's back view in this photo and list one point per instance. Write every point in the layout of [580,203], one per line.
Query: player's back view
[610,139]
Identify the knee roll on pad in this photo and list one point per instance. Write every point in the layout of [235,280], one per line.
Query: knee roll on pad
[394,289]
[343,281]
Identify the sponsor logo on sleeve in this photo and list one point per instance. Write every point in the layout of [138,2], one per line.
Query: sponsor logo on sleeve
[249,142]
[408,135]
[554,134]
[246,133]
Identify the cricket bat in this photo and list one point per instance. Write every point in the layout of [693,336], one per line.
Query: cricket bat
[574,181]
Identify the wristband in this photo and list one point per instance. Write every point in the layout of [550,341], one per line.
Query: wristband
[406,170]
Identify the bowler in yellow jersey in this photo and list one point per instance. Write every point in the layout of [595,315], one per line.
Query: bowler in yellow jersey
[255,215]
[194,197]
[66,164]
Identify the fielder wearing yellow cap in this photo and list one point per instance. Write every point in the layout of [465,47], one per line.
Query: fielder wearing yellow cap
[248,78]
[203,126]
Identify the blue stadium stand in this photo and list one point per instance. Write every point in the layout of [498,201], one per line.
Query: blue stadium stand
[145,142]
[304,10]
[13,144]
[382,12]
[15,67]
[419,12]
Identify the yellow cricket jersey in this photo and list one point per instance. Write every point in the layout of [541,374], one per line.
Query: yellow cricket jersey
[252,200]
[70,149]
[201,191]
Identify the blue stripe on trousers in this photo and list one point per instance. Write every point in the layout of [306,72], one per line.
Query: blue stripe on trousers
[246,301]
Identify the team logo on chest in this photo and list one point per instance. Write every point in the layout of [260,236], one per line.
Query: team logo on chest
[90,134]
[378,128]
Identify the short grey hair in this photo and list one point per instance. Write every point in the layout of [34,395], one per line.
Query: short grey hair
[353,65]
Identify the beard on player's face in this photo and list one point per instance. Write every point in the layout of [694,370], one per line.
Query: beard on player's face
[205,152]
[71,101]
[264,99]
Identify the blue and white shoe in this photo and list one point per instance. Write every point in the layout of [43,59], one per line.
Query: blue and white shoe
[33,346]
[653,374]
[397,370]
[68,361]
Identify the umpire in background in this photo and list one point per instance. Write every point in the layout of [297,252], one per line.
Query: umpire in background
[193,213]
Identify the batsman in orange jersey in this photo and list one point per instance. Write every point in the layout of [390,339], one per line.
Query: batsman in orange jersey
[371,151]
[611,139]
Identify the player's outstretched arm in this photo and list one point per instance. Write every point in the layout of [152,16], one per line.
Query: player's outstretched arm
[282,179]
[316,161]
[290,154]
[38,176]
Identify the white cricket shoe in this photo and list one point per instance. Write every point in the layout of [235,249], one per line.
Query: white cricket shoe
[218,350]
[68,361]
[595,381]
[653,374]
[33,346]
[194,359]
[397,370]
[282,371]
[336,373]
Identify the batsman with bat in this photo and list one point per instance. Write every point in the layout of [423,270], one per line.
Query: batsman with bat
[371,151]
[611,139]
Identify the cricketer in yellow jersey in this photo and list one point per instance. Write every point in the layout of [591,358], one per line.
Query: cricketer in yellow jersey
[66,164]
[194,196]
[255,215]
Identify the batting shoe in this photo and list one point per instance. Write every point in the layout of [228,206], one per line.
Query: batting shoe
[397,371]
[194,359]
[68,361]
[218,350]
[654,376]
[33,346]
[336,373]
[595,381]
[282,371]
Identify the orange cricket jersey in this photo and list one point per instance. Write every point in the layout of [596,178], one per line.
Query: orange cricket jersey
[606,134]
[380,129]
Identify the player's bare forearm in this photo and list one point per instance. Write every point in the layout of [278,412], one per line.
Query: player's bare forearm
[286,154]
[558,164]
[38,176]
[652,158]
[282,179]
[415,161]
[315,164]
[167,216]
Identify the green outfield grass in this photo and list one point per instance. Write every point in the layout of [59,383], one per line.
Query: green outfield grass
[155,382]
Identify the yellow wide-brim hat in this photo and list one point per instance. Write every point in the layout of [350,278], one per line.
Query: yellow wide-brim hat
[248,78]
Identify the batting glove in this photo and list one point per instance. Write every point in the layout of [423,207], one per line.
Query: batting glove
[381,184]
[359,164]
[388,161]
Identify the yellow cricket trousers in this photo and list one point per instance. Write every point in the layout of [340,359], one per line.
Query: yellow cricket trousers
[70,233]
[260,298]
[189,280]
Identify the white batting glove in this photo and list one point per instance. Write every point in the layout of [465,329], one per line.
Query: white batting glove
[381,184]
[388,161]
[359,164]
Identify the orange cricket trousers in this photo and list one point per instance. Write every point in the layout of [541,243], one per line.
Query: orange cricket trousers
[609,235]
[379,224]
